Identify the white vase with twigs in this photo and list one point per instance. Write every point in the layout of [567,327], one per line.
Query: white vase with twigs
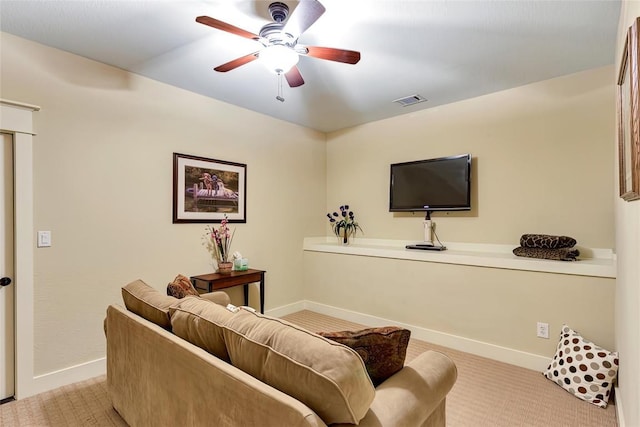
[218,242]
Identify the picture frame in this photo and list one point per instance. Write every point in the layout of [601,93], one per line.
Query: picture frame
[628,123]
[208,190]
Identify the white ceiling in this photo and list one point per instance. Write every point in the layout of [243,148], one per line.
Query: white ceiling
[443,50]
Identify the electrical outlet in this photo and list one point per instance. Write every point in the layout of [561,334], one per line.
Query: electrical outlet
[543,330]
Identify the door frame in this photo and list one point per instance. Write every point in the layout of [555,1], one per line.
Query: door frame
[16,118]
[7,297]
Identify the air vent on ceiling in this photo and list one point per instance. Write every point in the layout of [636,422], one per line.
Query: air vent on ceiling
[410,100]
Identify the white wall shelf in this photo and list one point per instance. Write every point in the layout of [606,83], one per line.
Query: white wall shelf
[592,262]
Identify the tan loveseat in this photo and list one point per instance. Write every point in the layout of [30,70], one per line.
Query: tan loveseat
[192,362]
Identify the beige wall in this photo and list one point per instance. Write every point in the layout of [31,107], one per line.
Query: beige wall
[493,306]
[628,284]
[103,179]
[543,163]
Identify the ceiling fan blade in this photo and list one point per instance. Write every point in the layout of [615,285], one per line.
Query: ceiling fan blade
[294,78]
[304,15]
[212,22]
[331,54]
[237,62]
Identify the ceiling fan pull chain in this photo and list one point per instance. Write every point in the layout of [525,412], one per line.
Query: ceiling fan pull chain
[279,97]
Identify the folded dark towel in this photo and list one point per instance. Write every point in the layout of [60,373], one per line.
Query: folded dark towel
[560,254]
[546,241]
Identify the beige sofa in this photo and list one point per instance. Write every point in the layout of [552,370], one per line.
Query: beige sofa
[245,369]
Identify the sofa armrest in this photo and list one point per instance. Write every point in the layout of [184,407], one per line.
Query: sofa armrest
[415,395]
[219,297]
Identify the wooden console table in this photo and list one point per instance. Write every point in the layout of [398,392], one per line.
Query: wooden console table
[215,281]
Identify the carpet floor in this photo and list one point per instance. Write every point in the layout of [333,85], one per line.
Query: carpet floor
[490,393]
[486,394]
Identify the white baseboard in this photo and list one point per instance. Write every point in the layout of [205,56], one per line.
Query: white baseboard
[491,351]
[619,408]
[72,374]
[286,309]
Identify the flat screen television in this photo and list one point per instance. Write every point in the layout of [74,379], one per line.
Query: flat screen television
[441,184]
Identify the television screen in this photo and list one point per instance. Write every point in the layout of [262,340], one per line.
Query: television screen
[441,184]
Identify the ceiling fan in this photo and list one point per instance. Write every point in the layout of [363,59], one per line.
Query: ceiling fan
[280,41]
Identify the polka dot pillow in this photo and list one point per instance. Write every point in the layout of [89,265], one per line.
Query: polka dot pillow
[582,368]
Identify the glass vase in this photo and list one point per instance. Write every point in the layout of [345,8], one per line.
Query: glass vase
[345,237]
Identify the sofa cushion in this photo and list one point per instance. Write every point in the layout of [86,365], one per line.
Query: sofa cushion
[181,287]
[148,302]
[582,368]
[201,322]
[218,297]
[383,349]
[328,377]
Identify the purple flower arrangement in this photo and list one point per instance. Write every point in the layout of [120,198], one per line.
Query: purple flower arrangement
[344,224]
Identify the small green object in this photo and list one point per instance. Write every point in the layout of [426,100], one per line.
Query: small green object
[241,264]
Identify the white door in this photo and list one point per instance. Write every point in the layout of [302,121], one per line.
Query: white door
[7,378]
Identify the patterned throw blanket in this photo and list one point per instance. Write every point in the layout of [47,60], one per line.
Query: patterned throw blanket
[546,241]
[545,246]
[561,254]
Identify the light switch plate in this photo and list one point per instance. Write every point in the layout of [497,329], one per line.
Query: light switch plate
[44,239]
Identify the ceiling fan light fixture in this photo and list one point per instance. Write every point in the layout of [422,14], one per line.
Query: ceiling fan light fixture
[278,58]
[281,51]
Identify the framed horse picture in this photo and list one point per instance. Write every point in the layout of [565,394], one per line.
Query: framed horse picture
[208,190]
